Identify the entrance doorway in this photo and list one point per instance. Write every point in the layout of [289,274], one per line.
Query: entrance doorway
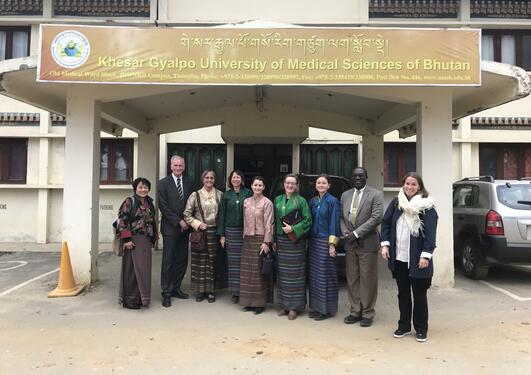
[268,161]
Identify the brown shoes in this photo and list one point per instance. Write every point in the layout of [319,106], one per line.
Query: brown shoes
[292,314]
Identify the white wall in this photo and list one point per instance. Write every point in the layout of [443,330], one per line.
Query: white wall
[56,161]
[110,201]
[18,222]
[211,134]
[317,135]
[293,11]
[55,216]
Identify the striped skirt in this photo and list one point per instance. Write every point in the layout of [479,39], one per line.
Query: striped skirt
[291,276]
[254,288]
[322,278]
[233,245]
[203,264]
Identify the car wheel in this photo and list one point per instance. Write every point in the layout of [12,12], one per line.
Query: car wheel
[472,261]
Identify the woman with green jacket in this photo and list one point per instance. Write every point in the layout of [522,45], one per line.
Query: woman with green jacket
[293,220]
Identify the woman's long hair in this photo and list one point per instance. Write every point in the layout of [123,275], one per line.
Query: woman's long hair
[423,191]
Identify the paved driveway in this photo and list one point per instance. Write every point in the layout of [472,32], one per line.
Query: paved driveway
[474,329]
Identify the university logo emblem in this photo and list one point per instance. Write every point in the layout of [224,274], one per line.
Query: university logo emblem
[70,49]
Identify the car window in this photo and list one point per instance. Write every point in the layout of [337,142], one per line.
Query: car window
[338,187]
[466,196]
[517,196]
[307,188]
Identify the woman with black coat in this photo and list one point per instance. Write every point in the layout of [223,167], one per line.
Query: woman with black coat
[408,240]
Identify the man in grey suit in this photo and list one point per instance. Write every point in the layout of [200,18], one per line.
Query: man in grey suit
[361,213]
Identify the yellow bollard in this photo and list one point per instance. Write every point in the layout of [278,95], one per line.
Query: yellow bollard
[67,286]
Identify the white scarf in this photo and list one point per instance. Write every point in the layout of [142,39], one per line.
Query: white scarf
[412,208]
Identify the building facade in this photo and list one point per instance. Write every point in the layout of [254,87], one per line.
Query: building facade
[32,140]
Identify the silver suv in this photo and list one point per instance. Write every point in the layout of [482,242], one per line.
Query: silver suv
[492,223]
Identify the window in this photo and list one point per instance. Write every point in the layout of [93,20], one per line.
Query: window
[200,157]
[13,160]
[505,161]
[399,158]
[517,196]
[335,159]
[466,196]
[507,46]
[116,162]
[14,42]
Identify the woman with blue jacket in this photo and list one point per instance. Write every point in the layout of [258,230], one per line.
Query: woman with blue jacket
[408,240]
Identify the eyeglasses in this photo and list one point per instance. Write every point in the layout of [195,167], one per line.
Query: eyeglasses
[209,178]
[290,183]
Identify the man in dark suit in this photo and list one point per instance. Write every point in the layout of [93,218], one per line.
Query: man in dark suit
[361,213]
[172,193]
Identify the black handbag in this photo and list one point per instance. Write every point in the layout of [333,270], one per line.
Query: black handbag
[292,218]
[268,261]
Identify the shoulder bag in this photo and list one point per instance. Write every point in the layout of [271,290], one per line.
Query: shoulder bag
[198,238]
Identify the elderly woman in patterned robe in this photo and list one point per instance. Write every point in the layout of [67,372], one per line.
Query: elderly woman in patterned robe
[203,262]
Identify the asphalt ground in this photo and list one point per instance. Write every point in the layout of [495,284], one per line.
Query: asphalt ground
[475,328]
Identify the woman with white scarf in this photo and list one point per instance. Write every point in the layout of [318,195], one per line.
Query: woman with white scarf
[408,239]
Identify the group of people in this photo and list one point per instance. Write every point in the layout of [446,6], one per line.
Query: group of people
[302,236]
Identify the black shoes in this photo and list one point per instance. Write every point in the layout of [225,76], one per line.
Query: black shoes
[351,319]
[365,322]
[200,297]
[258,310]
[180,294]
[132,306]
[235,299]
[421,337]
[211,298]
[399,333]
[166,301]
[320,316]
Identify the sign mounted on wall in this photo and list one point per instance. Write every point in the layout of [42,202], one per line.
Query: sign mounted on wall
[247,56]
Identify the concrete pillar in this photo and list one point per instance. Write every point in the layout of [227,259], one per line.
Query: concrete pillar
[363,11]
[373,159]
[43,193]
[47,8]
[474,159]
[464,11]
[465,154]
[162,9]
[230,158]
[434,163]
[163,155]
[147,159]
[34,39]
[81,183]
[295,158]
[153,11]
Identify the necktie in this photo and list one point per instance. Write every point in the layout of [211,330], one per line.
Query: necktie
[354,208]
[179,188]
